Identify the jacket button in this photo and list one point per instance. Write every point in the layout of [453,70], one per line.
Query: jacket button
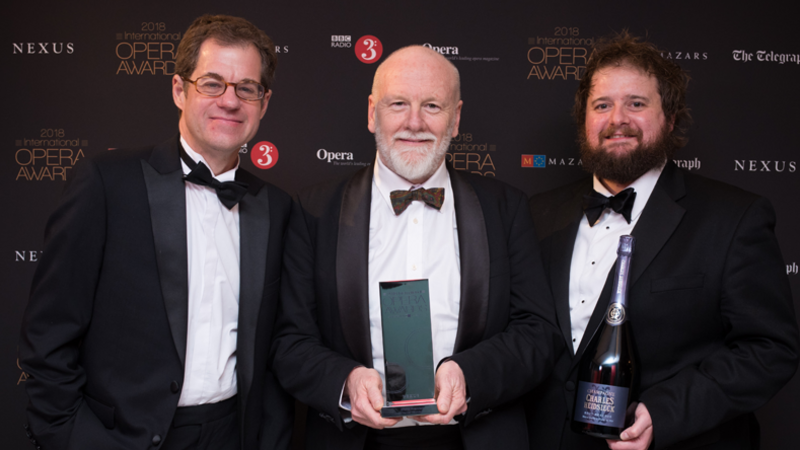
[570,386]
[174,387]
[156,440]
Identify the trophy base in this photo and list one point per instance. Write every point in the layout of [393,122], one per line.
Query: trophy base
[410,408]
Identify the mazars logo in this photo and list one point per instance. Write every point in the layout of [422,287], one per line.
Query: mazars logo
[324,155]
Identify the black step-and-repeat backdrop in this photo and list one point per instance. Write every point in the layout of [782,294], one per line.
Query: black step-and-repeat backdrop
[85,77]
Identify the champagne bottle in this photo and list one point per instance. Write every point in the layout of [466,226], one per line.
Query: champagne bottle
[607,373]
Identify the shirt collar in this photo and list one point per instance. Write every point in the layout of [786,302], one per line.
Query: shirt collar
[387,181]
[643,186]
[229,175]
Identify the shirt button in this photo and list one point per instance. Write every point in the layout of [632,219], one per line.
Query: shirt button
[592,262]
[416,221]
[414,267]
[156,440]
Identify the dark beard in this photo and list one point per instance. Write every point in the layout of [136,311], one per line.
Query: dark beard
[626,168]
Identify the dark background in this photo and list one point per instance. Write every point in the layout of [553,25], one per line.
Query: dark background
[82,92]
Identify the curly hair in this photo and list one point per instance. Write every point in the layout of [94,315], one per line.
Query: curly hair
[227,30]
[624,49]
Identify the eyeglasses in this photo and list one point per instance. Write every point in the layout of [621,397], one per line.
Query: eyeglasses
[214,87]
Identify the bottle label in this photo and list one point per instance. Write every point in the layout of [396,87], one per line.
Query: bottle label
[615,314]
[601,404]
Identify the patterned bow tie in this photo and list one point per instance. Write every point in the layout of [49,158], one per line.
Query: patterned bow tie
[595,203]
[401,199]
[229,192]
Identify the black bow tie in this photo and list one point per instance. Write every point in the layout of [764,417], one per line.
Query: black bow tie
[229,192]
[595,203]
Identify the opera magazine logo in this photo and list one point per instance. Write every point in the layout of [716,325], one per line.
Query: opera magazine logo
[264,155]
[338,158]
[48,157]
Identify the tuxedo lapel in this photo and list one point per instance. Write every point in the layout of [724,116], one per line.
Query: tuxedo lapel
[473,246]
[166,194]
[569,218]
[352,253]
[254,228]
[659,220]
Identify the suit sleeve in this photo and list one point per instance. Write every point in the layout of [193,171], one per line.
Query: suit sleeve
[509,363]
[760,349]
[60,308]
[304,365]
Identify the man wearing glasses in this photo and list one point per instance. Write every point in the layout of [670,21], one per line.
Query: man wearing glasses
[151,312]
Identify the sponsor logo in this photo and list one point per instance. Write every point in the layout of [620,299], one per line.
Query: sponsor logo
[149,50]
[243,148]
[48,157]
[341,41]
[442,50]
[791,269]
[43,48]
[542,161]
[688,164]
[702,56]
[537,161]
[282,49]
[338,158]
[368,49]
[264,155]
[766,56]
[562,56]
[452,53]
[27,255]
[760,165]
[466,153]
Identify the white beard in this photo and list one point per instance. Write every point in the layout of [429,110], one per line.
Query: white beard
[415,164]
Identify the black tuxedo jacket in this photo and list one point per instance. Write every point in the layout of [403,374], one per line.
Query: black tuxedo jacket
[104,333]
[710,308]
[506,332]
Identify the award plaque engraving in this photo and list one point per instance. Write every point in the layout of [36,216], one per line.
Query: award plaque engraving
[407,349]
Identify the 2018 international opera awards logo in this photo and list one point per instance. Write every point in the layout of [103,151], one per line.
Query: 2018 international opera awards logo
[150,49]
[467,153]
[49,156]
[561,56]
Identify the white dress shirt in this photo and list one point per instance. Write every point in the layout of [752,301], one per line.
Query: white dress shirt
[212,235]
[596,251]
[420,243]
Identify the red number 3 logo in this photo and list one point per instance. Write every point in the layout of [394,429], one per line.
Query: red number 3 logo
[369,49]
[264,155]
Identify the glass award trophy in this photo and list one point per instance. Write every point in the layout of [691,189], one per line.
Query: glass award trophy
[407,349]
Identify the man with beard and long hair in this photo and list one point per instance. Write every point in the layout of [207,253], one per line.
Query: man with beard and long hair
[710,306]
[412,216]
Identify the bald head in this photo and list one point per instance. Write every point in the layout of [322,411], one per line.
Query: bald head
[417,60]
[414,110]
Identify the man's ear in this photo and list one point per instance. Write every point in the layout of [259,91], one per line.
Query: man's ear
[178,92]
[371,114]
